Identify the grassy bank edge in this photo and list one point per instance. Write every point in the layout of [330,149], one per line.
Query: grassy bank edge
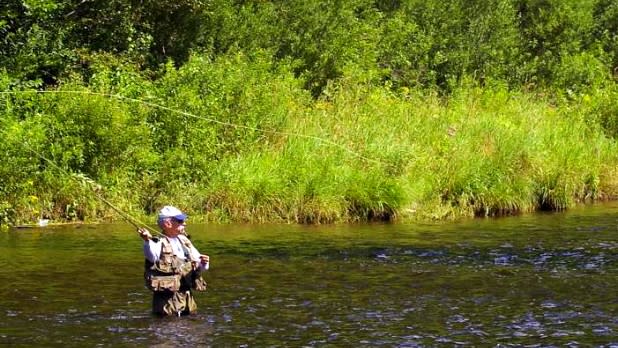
[241,141]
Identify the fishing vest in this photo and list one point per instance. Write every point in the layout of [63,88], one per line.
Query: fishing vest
[171,273]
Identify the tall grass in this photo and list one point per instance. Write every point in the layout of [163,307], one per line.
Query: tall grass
[481,152]
[250,145]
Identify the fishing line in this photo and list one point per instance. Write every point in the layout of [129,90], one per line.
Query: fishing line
[128,218]
[95,187]
[209,119]
[81,178]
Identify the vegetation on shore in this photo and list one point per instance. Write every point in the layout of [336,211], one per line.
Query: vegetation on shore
[267,111]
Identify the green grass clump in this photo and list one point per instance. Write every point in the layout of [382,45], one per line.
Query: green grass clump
[238,139]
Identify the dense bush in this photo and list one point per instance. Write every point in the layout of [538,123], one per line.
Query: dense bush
[307,111]
[414,43]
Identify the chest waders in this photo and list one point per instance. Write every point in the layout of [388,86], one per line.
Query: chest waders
[171,280]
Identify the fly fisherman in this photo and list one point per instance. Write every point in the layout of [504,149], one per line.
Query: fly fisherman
[173,265]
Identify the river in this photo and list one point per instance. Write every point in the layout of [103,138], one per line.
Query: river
[538,280]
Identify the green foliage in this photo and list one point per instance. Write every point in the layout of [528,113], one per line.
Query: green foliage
[319,38]
[606,29]
[326,36]
[414,43]
[600,107]
[427,43]
[307,111]
[229,105]
[43,40]
[554,34]
[32,49]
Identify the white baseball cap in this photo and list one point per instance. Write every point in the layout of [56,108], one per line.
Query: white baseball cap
[169,211]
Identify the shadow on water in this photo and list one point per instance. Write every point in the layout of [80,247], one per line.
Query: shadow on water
[537,280]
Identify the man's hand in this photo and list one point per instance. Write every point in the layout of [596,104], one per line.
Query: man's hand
[144,234]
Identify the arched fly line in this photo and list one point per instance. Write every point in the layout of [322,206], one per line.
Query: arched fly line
[209,119]
[83,179]
[96,189]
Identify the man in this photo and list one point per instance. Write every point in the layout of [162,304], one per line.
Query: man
[173,265]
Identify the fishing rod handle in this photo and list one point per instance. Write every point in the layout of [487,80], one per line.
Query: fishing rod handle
[144,234]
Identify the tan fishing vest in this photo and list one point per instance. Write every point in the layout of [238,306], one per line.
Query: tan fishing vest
[171,273]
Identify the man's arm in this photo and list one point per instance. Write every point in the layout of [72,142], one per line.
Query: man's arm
[152,249]
[194,254]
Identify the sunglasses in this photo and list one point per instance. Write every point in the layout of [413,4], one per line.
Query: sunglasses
[178,221]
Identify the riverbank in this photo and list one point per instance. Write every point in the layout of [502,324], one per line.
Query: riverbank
[266,111]
[262,150]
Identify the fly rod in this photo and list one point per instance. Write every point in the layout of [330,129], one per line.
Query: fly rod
[81,178]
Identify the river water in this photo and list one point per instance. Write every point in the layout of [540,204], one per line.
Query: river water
[541,280]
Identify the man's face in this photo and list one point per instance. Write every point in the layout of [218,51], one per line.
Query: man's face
[173,227]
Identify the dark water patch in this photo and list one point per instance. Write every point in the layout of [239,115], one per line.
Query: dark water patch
[597,257]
